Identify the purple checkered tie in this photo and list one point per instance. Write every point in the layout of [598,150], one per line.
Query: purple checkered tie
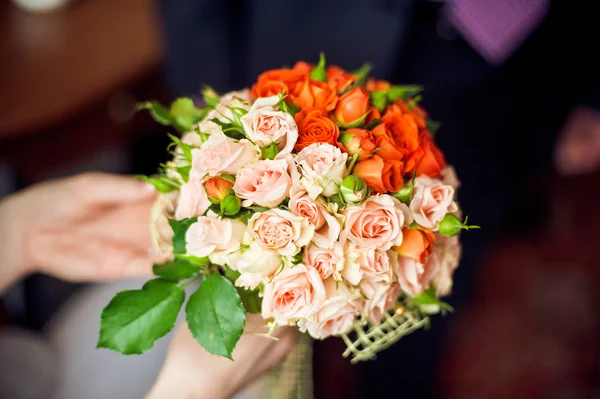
[496,28]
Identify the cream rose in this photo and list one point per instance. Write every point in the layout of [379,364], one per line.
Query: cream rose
[223,111]
[193,200]
[327,227]
[447,251]
[431,201]
[255,264]
[221,154]
[264,125]
[323,168]
[368,263]
[415,277]
[295,293]
[376,223]
[266,183]
[381,297]
[328,261]
[337,313]
[280,231]
[211,234]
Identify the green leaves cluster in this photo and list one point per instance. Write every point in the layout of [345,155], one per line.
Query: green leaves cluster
[182,114]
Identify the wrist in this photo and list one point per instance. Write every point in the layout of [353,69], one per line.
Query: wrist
[12,245]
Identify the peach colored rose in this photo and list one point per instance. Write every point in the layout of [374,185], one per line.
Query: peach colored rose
[415,277]
[352,106]
[255,264]
[193,200]
[221,154]
[447,251]
[381,176]
[370,263]
[265,183]
[217,187]
[339,78]
[314,126]
[192,139]
[327,261]
[264,124]
[295,293]
[211,234]
[280,231]
[337,313]
[431,202]
[358,142]
[327,227]
[416,244]
[323,169]
[381,297]
[432,162]
[376,223]
[449,177]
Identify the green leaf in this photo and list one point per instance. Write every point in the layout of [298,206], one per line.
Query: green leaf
[373,124]
[215,315]
[184,114]
[211,97]
[184,172]
[161,183]
[380,99]
[270,151]
[250,298]
[232,130]
[428,297]
[403,92]
[406,192]
[185,148]
[318,73]
[180,227]
[256,208]
[433,126]
[290,108]
[178,269]
[134,319]
[362,73]
[159,112]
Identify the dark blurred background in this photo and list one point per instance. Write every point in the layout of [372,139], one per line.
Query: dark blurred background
[520,122]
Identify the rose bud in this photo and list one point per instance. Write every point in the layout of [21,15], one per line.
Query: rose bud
[353,189]
[230,205]
[218,188]
[352,108]
[358,142]
[451,225]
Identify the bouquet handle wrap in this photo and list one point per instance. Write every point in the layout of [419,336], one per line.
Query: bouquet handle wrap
[292,378]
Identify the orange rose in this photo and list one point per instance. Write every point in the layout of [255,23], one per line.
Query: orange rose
[303,67]
[418,113]
[416,244]
[276,81]
[217,188]
[376,85]
[310,93]
[398,138]
[373,114]
[432,162]
[339,78]
[358,142]
[352,106]
[315,127]
[381,176]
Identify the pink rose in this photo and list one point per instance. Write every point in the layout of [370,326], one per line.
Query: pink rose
[280,231]
[193,200]
[265,183]
[323,169]
[376,223]
[212,235]
[221,154]
[431,201]
[449,177]
[368,263]
[415,277]
[381,297]
[447,250]
[337,313]
[328,261]
[295,293]
[264,125]
[327,227]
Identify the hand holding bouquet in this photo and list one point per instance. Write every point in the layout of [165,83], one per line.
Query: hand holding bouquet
[318,199]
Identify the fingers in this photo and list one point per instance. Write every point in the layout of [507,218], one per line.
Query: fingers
[273,354]
[108,189]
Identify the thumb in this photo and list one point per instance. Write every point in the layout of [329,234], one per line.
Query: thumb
[107,189]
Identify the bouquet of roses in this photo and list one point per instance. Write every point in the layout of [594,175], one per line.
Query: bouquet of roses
[318,199]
